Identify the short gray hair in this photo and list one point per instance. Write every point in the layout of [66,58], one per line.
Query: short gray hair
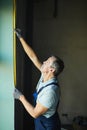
[58,65]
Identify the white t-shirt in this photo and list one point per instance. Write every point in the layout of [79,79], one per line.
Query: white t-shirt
[48,96]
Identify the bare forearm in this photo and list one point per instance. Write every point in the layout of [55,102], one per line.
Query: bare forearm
[31,54]
[27,48]
[36,111]
[29,108]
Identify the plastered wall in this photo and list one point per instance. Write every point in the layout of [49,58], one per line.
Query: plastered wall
[65,36]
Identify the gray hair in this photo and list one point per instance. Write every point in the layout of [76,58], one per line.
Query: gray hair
[58,65]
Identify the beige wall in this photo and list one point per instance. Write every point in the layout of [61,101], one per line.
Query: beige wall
[65,36]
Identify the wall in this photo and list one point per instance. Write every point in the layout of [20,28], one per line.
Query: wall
[6,66]
[64,36]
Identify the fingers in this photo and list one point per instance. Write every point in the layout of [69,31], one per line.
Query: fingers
[18,32]
[16,94]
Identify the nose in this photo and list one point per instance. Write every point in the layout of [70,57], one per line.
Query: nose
[43,62]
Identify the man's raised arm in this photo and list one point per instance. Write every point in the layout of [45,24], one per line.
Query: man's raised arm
[29,51]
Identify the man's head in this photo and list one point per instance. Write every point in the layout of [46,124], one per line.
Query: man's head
[58,65]
[53,65]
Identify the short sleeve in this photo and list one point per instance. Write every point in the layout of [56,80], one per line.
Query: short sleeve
[48,97]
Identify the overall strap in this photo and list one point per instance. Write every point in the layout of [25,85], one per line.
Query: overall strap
[46,86]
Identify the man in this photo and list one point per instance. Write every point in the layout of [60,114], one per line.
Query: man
[47,91]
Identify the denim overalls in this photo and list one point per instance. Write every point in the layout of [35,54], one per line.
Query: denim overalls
[43,123]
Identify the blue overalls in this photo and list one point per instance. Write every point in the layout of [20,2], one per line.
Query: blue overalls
[43,123]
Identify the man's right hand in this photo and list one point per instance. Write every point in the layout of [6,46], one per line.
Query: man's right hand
[18,32]
[17,94]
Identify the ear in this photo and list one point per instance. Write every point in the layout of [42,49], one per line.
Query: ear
[52,70]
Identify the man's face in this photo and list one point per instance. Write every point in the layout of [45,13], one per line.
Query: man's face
[46,66]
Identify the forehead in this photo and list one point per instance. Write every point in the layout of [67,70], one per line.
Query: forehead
[52,58]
